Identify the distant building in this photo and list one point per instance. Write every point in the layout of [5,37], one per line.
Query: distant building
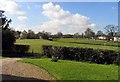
[67,36]
[23,35]
[117,39]
[102,37]
[40,37]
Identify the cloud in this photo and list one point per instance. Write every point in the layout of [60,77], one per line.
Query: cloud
[11,7]
[22,18]
[62,20]
[22,27]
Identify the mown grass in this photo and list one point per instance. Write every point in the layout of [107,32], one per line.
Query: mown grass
[71,70]
[36,44]
[89,41]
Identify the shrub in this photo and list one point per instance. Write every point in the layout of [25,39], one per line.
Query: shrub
[98,56]
[54,59]
[8,39]
[21,48]
[18,51]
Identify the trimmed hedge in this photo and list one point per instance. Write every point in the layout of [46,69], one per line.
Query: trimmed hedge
[98,56]
[18,51]
[21,48]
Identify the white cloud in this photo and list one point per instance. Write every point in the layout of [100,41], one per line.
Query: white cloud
[22,27]
[62,20]
[22,18]
[11,7]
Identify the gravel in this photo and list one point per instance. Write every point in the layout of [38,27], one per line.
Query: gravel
[11,69]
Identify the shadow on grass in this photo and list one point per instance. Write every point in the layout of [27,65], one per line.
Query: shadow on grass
[12,78]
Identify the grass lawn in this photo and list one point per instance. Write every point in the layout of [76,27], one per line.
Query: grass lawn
[36,44]
[71,70]
[90,41]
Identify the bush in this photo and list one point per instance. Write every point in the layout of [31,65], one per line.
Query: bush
[98,56]
[8,39]
[18,51]
[21,48]
[54,59]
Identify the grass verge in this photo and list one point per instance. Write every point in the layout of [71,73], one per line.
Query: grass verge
[71,70]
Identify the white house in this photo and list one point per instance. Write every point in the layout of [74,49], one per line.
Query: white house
[117,39]
[102,38]
[23,35]
[40,37]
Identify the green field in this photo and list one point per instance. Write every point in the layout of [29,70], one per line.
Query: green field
[71,70]
[89,41]
[36,44]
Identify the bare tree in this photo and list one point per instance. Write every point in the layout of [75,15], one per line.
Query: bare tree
[110,30]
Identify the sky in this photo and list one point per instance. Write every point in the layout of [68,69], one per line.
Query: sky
[66,17]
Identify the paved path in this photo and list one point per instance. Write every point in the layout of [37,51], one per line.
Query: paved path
[11,69]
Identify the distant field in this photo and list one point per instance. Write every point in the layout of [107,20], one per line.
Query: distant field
[36,44]
[89,41]
[71,70]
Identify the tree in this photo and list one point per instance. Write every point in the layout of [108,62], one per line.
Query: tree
[31,35]
[76,35]
[8,37]
[43,35]
[110,30]
[39,35]
[59,34]
[99,33]
[117,31]
[89,33]
[82,35]
[46,35]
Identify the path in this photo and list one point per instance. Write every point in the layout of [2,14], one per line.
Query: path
[11,69]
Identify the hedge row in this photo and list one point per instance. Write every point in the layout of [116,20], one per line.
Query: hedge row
[21,48]
[18,51]
[98,56]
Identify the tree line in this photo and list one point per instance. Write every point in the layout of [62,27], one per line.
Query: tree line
[111,31]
